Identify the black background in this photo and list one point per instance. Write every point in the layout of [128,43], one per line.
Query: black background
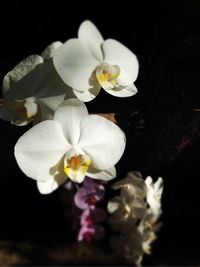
[161,124]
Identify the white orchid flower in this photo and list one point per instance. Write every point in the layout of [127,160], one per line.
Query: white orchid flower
[88,63]
[72,145]
[33,90]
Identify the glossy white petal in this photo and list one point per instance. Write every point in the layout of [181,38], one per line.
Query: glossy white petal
[69,114]
[50,49]
[91,38]
[40,149]
[88,95]
[47,187]
[74,64]
[123,91]
[117,54]
[106,175]
[102,140]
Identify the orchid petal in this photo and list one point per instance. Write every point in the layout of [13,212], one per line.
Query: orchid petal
[40,149]
[48,82]
[92,184]
[117,54]
[91,38]
[97,215]
[74,64]
[47,187]
[154,193]
[31,107]
[19,112]
[20,120]
[114,204]
[106,175]
[69,114]
[86,232]
[102,140]
[88,95]
[17,83]
[50,49]
[122,91]
[80,198]
[48,105]
[131,186]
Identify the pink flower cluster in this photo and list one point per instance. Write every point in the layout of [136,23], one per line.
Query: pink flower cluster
[87,197]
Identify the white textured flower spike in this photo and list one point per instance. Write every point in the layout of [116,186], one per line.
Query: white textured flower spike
[88,63]
[33,90]
[154,193]
[134,215]
[72,145]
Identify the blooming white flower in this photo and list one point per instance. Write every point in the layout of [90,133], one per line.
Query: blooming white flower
[88,63]
[72,145]
[33,89]
[134,214]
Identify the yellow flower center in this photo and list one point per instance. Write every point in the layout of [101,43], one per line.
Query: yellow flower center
[76,167]
[107,75]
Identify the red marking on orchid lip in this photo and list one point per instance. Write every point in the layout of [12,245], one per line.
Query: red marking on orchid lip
[89,220]
[92,200]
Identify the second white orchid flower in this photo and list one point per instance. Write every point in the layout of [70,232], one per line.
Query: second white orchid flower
[33,89]
[88,63]
[72,145]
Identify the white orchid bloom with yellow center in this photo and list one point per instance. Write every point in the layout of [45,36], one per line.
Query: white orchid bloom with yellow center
[88,63]
[33,89]
[72,145]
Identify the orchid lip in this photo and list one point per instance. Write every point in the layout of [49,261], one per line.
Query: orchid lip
[107,75]
[76,166]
